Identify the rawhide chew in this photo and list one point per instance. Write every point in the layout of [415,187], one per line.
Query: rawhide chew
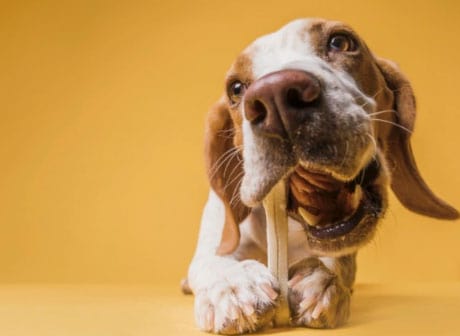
[277,242]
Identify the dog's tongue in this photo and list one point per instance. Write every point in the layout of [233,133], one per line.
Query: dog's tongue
[319,198]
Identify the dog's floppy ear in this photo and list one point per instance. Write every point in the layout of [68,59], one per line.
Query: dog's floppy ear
[406,181]
[224,166]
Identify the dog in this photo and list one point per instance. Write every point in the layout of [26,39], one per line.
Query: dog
[309,104]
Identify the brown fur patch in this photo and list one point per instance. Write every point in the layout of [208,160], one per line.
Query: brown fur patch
[224,167]
[240,70]
[361,65]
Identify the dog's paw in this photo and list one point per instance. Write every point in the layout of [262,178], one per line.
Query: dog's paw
[318,299]
[241,299]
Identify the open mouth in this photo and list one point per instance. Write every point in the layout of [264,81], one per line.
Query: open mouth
[329,208]
[366,212]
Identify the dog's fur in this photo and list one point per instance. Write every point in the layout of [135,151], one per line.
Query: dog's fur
[357,133]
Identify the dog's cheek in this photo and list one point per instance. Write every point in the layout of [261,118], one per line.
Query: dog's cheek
[237,119]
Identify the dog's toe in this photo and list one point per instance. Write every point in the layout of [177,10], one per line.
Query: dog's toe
[318,300]
[243,300]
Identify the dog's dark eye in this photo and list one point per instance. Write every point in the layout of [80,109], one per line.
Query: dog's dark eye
[341,43]
[235,91]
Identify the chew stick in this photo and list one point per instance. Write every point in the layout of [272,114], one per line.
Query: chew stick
[277,239]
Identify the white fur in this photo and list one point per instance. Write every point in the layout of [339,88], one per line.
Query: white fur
[227,292]
[274,51]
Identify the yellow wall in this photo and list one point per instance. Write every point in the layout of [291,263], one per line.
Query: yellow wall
[102,106]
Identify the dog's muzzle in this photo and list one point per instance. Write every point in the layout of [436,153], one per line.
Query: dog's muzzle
[320,150]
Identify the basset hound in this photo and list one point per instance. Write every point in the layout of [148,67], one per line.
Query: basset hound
[312,105]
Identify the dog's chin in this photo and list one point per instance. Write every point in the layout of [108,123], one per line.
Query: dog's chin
[256,186]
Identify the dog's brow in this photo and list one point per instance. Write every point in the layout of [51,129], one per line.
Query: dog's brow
[241,69]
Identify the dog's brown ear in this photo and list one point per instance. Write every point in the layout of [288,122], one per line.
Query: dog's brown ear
[224,166]
[406,181]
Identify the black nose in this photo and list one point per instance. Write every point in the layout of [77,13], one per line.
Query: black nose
[278,103]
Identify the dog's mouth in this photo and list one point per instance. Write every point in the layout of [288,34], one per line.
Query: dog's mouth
[330,208]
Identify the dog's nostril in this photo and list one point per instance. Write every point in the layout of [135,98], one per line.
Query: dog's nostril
[294,98]
[256,112]
[300,97]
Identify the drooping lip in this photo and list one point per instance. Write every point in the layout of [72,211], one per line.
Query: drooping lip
[367,212]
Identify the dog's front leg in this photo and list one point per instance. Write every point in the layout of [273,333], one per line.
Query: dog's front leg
[231,296]
[320,291]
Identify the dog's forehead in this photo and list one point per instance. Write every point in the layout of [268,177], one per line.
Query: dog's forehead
[298,40]
[290,43]
[294,35]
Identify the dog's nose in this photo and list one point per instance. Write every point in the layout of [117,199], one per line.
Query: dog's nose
[278,103]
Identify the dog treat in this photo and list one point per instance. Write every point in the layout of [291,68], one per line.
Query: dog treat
[277,242]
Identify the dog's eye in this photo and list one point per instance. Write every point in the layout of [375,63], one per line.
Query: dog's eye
[235,91]
[341,43]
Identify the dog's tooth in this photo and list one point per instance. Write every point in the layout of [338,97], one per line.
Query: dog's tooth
[357,196]
[311,219]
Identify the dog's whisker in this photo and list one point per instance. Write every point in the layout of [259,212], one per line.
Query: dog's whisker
[239,175]
[374,142]
[368,101]
[381,112]
[362,176]
[234,155]
[227,153]
[345,155]
[235,169]
[219,163]
[236,195]
[401,87]
[226,133]
[226,156]
[229,130]
[377,93]
[392,123]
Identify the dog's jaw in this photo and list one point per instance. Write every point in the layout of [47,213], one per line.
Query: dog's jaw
[357,206]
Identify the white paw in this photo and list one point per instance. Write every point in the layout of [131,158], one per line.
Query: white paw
[240,299]
[317,298]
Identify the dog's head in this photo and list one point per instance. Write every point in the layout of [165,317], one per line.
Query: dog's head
[312,105]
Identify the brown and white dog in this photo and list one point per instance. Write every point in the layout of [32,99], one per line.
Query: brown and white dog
[312,105]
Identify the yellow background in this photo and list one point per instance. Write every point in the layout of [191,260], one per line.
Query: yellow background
[102,107]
